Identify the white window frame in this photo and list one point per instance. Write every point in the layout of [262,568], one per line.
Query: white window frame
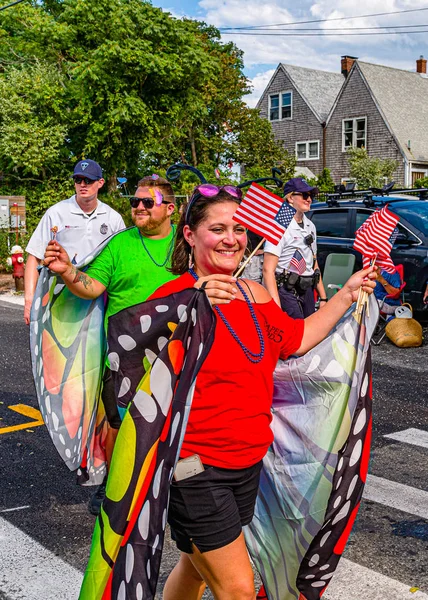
[354,132]
[280,94]
[307,157]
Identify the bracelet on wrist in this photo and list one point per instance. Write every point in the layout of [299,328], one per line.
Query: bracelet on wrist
[323,299]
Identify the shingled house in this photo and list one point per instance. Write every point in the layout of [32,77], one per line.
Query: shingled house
[318,115]
[297,102]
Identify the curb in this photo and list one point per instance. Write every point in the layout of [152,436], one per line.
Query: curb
[12,299]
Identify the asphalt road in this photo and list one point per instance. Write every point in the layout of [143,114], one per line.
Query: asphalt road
[52,508]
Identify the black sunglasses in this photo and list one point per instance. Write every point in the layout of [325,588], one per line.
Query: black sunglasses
[147,202]
[80,180]
[305,195]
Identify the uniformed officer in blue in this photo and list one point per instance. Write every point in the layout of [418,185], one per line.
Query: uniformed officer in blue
[81,223]
[290,269]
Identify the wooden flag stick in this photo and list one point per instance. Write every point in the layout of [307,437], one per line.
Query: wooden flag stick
[245,263]
[363,297]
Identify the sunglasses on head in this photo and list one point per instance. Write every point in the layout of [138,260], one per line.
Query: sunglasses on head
[147,202]
[305,195]
[86,180]
[209,190]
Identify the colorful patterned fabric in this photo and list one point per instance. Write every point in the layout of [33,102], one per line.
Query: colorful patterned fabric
[314,473]
[68,347]
[155,351]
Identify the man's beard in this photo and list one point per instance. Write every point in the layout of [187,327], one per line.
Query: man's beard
[152,224]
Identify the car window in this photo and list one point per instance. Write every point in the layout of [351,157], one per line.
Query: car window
[415,213]
[361,216]
[331,223]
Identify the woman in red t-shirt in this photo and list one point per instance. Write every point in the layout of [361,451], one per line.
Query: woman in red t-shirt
[228,427]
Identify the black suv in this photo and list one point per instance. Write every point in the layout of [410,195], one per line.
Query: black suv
[337,220]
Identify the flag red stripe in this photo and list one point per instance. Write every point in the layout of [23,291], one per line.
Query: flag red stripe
[258,210]
[373,238]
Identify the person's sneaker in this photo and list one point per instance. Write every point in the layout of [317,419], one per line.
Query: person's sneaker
[97,498]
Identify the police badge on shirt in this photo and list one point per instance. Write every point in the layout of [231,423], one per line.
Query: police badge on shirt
[104,228]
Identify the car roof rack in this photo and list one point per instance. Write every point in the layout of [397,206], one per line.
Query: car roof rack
[349,193]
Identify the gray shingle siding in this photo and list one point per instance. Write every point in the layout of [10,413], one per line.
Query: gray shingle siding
[356,101]
[303,126]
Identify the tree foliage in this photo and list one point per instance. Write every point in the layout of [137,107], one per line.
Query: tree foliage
[126,84]
[369,172]
[421,183]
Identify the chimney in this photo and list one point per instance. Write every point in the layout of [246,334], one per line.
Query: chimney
[346,64]
[421,65]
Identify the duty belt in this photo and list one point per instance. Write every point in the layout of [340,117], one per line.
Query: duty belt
[297,283]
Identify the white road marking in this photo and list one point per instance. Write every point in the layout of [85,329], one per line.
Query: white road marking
[30,572]
[354,582]
[416,437]
[397,495]
[7,510]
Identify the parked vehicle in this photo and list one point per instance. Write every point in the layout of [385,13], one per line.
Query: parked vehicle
[337,220]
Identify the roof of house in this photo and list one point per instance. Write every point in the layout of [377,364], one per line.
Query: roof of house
[318,88]
[402,97]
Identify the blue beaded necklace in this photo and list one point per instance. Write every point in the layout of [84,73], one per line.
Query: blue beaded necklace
[168,254]
[252,356]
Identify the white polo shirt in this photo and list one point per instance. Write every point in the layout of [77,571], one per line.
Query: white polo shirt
[78,232]
[292,240]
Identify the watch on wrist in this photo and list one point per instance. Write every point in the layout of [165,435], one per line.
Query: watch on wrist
[323,299]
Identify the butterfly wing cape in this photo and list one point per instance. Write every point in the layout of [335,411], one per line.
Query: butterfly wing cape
[68,348]
[314,473]
[155,351]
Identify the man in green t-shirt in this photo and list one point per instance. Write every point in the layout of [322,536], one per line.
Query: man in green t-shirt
[130,268]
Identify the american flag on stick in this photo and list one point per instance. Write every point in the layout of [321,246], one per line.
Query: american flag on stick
[374,238]
[258,212]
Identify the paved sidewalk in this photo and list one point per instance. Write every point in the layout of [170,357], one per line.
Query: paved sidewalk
[12,298]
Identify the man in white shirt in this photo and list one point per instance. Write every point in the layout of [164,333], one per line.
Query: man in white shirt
[79,224]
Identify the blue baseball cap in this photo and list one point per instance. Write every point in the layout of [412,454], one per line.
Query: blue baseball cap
[297,184]
[88,168]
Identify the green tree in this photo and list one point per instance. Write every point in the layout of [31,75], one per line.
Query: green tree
[324,181]
[421,183]
[124,83]
[367,171]
[32,137]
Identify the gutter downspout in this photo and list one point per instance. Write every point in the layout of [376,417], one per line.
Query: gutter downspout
[324,139]
[406,173]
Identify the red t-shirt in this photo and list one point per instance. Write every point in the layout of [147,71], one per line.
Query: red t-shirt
[229,422]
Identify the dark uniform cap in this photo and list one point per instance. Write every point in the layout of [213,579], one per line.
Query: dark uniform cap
[297,184]
[88,168]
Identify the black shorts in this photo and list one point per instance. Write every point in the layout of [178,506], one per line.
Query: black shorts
[108,398]
[210,508]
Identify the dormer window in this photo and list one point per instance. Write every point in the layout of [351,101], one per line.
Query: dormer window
[281,106]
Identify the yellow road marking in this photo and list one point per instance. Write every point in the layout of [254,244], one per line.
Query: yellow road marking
[27,411]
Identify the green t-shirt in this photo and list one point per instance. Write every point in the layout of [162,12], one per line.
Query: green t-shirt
[128,272]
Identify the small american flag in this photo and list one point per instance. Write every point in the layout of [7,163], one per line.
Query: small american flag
[373,238]
[297,263]
[258,211]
